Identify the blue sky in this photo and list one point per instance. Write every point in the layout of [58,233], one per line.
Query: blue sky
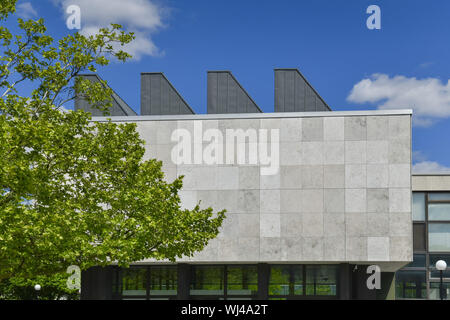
[404,65]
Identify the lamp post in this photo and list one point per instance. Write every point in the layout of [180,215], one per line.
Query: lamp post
[37,287]
[441,265]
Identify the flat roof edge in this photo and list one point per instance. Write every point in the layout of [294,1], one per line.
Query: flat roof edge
[256,115]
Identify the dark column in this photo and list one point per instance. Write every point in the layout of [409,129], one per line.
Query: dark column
[183,281]
[345,281]
[387,290]
[96,283]
[263,281]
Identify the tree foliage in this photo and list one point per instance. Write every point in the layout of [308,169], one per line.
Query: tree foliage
[53,287]
[74,192]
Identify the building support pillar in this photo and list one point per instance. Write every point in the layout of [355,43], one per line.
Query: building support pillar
[345,281]
[183,279]
[263,281]
[96,283]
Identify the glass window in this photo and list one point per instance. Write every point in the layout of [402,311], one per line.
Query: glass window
[411,284]
[321,280]
[440,196]
[439,236]
[286,280]
[436,274]
[418,261]
[436,257]
[279,280]
[134,282]
[419,237]
[163,280]
[207,280]
[439,211]
[242,280]
[297,280]
[115,282]
[418,208]
[434,290]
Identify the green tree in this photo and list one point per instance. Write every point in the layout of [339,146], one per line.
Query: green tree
[53,287]
[74,192]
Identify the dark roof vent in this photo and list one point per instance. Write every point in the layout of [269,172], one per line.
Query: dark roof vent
[226,95]
[293,93]
[159,97]
[118,108]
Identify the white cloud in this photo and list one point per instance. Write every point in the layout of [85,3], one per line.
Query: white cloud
[143,17]
[423,165]
[429,98]
[26,11]
[429,167]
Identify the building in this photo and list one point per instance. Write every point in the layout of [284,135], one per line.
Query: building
[431,227]
[313,196]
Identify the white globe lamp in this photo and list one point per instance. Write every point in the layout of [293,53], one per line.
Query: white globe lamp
[441,265]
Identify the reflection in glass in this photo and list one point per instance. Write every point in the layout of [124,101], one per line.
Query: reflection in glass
[434,291]
[297,276]
[439,211]
[286,280]
[436,274]
[411,284]
[418,208]
[163,280]
[439,196]
[134,281]
[439,236]
[419,261]
[207,280]
[321,280]
[279,280]
[242,280]
[436,257]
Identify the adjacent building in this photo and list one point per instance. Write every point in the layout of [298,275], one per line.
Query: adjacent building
[431,243]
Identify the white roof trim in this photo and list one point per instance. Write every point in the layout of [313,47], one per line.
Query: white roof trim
[255,115]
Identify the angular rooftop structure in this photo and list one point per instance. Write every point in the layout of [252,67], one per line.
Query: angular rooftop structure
[293,93]
[159,96]
[119,106]
[226,95]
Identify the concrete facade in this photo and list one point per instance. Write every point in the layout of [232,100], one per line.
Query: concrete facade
[342,193]
[431,182]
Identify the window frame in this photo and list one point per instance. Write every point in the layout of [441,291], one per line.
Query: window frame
[304,296]
[225,295]
[118,286]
